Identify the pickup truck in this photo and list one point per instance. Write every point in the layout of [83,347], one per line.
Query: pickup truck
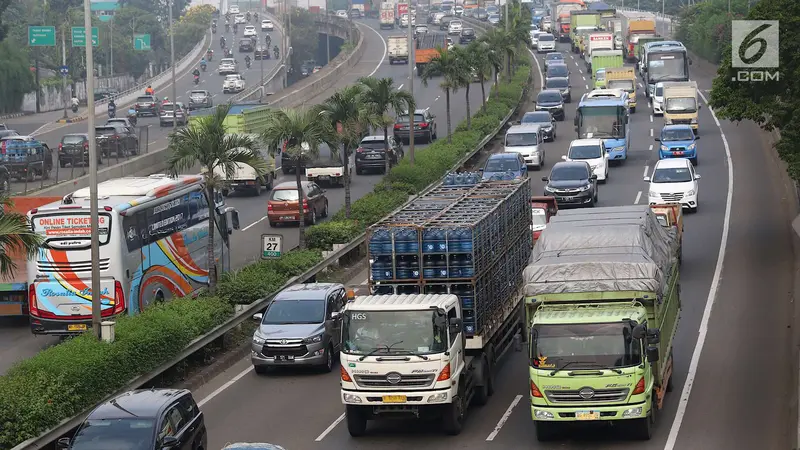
[398,49]
[244,177]
[327,168]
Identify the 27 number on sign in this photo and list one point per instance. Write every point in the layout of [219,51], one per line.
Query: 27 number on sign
[271,246]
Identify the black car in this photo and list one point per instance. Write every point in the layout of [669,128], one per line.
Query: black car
[444,23]
[116,139]
[550,100]
[261,52]
[553,58]
[556,70]
[307,68]
[424,126]
[545,121]
[147,105]
[467,36]
[572,183]
[143,419]
[371,154]
[560,84]
[74,150]
[246,45]
[200,99]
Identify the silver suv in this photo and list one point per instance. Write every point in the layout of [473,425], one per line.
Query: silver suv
[301,327]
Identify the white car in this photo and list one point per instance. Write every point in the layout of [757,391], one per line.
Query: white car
[454,27]
[233,83]
[546,42]
[250,30]
[227,66]
[341,14]
[459,10]
[527,140]
[674,181]
[593,151]
[450,44]
[437,18]
[657,100]
[234,9]
[404,21]
[535,37]
[267,25]
[239,18]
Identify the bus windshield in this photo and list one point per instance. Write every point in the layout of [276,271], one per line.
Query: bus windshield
[667,67]
[601,121]
[70,229]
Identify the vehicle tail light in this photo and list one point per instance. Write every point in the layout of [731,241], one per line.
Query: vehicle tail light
[345,375]
[639,389]
[3,148]
[305,205]
[86,146]
[119,299]
[60,146]
[424,125]
[397,126]
[116,137]
[269,207]
[536,235]
[444,375]
[33,308]
[535,392]
[361,149]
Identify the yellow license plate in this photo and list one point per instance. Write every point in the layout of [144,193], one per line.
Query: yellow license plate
[587,415]
[394,399]
[77,327]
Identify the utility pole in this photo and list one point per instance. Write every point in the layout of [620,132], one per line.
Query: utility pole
[327,37]
[94,217]
[411,51]
[64,64]
[172,63]
[508,28]
[111,42]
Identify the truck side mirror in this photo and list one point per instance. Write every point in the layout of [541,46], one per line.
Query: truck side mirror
[653,336]
[455,325]
[652,354]
[638,332]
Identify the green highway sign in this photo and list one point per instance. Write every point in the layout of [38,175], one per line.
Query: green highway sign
[79,37]
[42,36]
[141,42]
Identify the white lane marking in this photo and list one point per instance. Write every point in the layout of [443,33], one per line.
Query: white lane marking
[584,78]
[641,85]
[651,132]
[646,169]
[587,87]
[712,295]
[330,428]
[538,67]
[400,87]
[36,131]
[651,118]
[571,57]
[227,384]
[437,98]
[254,223]
[651,147]
[385,50]
[580,71]
[638,197]
[504,419]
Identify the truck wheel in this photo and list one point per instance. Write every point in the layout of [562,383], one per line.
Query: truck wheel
[545,431]
[453,415]
[642,429]
[257,189]
[482,392]
[356,421]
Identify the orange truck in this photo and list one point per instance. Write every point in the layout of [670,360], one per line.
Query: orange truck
[14,287]
[636,24]
[428,46]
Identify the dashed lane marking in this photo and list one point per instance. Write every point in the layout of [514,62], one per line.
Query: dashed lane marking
[638,197]
[504,418]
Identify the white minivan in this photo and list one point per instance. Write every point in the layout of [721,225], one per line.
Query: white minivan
[593,151]
[526,139]
[546,42]
[674,181]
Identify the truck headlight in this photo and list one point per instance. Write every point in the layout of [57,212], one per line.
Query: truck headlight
[313,339]
[618,149]
[652,194]
[438,398]
[542,415]
[258,340]
[632,412]
[664,148]
[350,398]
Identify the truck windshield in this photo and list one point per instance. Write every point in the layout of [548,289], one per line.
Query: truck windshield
[667,67]
[393,332]
[681,105]
[601,121]
[607,344]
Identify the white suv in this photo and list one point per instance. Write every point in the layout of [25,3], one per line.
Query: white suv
[546,42]
[593,151]
[454,27]
[250,30]
[657,99]
[267,25]
[674,181]
[233,83]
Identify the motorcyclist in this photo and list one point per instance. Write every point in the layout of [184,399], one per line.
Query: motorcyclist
[196,74]
[210,54]
[276,51]
[235,28]
[203,64]
[247,16]
[247,61]
[75,103]
[222,41]
[228,53]
[149,90]
[269,40]
[112,109]
[255,17]
[227,26]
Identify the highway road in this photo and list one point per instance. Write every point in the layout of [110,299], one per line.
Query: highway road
[733,362]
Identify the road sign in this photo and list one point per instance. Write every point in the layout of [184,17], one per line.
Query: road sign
[402,8]
[64,70]
[42,36]
[271,246]
[79,37]
[141,42]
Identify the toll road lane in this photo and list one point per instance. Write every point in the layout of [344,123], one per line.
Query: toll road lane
[155,136]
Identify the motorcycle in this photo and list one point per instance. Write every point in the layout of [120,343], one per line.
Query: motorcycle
[247,16]
[222,43]
[247,63]
[210,55]
[227,28]
[275,52]
[214,30]
[235,28]
[203,67]
[255,17]
[132,116]
[74,108]
[197,79]
[269,41]
[112,113]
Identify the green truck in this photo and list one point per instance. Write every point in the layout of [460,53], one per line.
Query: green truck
[582,23]
[242,118]
[599,61]
[602,307]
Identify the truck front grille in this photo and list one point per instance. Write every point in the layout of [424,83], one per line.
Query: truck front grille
[406,381]
[586,395]
[681,121]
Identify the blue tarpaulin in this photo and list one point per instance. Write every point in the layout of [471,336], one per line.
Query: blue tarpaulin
[598,6]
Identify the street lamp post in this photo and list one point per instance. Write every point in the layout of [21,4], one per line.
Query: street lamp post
[172,63]
[410,88]
[64,64]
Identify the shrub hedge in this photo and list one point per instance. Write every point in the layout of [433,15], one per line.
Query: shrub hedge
[431,164]
[258,280]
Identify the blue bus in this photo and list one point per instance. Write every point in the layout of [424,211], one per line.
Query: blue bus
[606,119]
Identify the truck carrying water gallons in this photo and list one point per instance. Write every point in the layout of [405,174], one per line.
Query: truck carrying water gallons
[446,304]
[602,302]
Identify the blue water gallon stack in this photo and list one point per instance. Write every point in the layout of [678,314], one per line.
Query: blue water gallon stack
[436,289]
[461,266]
[460,240]
[434,266]
[406,240]
[380,243]
[382,268]
[461,179]
[407,267]
[449,180]
[408,289]
[434,240]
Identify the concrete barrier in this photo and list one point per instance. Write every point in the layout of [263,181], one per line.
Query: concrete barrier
[293,96]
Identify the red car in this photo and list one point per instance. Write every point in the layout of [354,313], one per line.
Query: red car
[282,206]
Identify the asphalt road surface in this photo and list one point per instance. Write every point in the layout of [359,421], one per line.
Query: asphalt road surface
[734,393]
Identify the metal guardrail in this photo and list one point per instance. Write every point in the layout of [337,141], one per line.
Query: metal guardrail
[69,424]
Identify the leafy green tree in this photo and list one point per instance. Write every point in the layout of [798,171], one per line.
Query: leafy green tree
[207,144]
[16,78]
[478,59]
[499,45]
[450,67]
[771,104]
[382,96]
[302,132]
[3,26]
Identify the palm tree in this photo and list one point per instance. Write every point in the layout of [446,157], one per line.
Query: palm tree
[451,68]
[381,95]
[479,61]
[207,144]
[499,45]
[302,132]
[18,242]
[347,109]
